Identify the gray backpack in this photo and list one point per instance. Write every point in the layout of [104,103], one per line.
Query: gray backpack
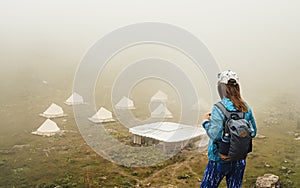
[236,141]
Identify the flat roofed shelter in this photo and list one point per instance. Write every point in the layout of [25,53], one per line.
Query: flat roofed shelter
[172,136]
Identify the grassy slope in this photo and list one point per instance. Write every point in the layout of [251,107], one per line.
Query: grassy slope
[67,160]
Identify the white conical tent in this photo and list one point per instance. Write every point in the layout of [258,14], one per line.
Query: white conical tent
[125,103]
[53,111]
[161,112]
[159,96]
[103,115]
[74,99]
[48,128]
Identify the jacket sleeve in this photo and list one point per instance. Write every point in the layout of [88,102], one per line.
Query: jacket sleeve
[214,126]
[252,121]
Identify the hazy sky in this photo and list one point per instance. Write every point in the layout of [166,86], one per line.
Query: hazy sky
[258,39]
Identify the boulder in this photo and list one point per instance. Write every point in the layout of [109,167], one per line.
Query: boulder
[267,181]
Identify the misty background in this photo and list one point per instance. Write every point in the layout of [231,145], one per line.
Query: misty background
[42,43]
[45,41]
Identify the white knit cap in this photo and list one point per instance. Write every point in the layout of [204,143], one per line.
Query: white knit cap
[225,76]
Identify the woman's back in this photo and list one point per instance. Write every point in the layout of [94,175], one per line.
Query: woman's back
[213,123]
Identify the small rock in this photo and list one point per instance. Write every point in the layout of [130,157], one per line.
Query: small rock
[168,186]
[298,138]
[19,146]
[18,170]
[260,136]
[268,181]
[5,151]
[267,165]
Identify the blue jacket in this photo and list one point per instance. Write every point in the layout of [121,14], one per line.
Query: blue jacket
[214,127]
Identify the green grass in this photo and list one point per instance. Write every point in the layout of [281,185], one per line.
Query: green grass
[68,161]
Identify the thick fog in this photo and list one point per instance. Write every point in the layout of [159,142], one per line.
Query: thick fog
[44,42]
[47,39]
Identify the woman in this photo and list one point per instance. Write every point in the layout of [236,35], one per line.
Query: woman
[217,169]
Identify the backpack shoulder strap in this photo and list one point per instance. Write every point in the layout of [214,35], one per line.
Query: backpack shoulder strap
[228,113]
[223,110]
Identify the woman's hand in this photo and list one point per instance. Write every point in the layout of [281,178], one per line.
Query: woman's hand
[207,116]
